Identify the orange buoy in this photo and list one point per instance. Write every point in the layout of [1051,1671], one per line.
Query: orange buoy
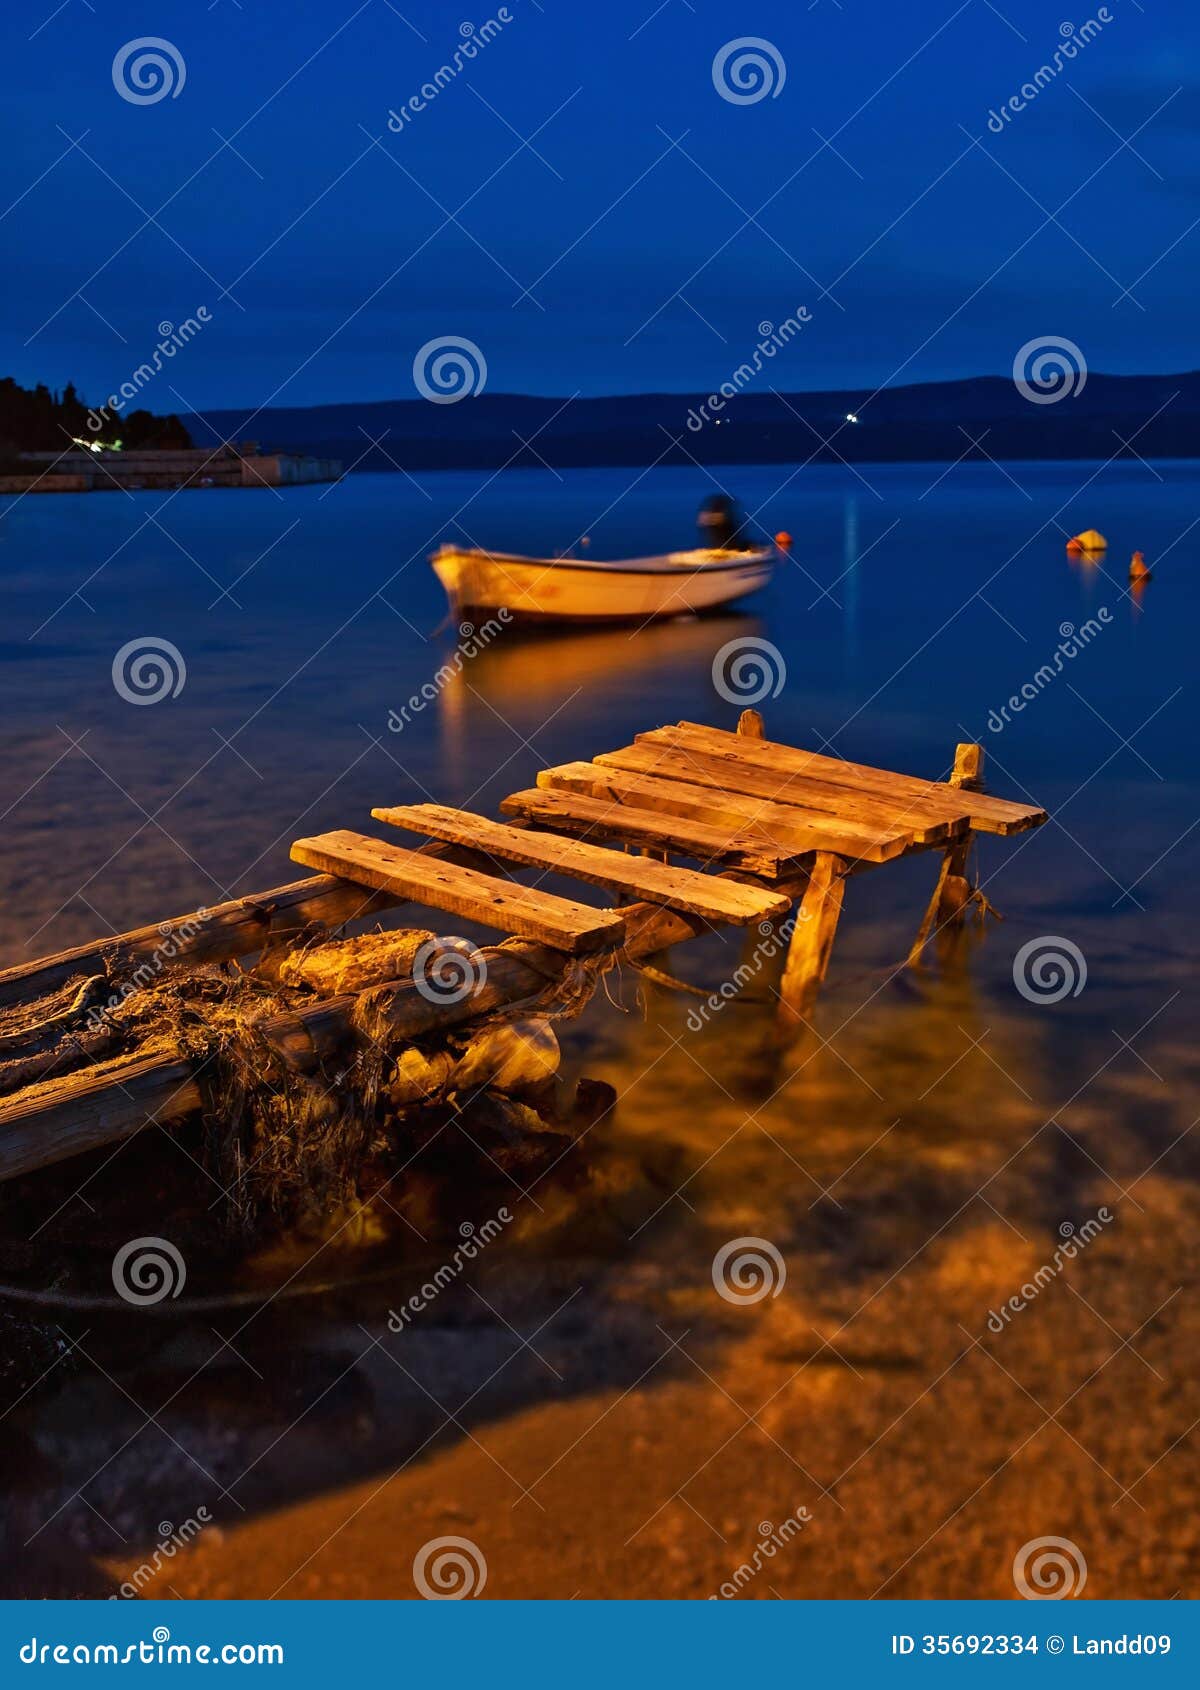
[783,540]
[1139,569]
[1074,547]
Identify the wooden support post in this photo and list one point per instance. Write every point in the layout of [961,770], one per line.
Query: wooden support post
[952,894]
[812,937]
[751,726]
[968,767]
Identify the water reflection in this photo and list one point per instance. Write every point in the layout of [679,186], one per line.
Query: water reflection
[525,676]
[849,584]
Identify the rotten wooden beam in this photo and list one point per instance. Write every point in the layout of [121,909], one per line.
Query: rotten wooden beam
[85,1111]
[206,935]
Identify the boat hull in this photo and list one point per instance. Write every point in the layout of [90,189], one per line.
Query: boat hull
[570,590]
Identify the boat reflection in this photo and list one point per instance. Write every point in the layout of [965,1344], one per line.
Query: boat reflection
[523,676]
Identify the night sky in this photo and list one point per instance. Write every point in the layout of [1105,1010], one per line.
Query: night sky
[586,156]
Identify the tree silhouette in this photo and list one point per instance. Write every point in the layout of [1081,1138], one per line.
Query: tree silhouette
[37,420]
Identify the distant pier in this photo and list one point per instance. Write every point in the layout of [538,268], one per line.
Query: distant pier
[85,471]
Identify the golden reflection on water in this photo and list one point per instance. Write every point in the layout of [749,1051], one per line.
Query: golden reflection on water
[526,676]
[765,1132]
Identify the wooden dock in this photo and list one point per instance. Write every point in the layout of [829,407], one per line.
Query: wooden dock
[761,827]
[769,823]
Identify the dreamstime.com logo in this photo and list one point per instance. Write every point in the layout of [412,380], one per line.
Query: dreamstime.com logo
[747,670]
[448,369]
[449,969]
[171,1540]
[1049,368]
[472,640]
[448,1569]
[746,1270]
[1071,41]
[156,1650]
[772,340]
[1049,968]
[148,70]
[1048,1569]
[471,39]
[473,1241]
[1075,1241]
[772,939]
[148,1270]
[1072,640]
[748,70]
[176,937]
[148,669]
[172,338]
[771,1539]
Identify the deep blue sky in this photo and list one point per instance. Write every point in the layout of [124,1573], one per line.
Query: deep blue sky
[320,251]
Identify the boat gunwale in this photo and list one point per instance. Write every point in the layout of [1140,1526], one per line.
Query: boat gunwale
[735,563]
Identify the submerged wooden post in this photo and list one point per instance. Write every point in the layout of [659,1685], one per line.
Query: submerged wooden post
[812,937]
[751,725]
[951,895]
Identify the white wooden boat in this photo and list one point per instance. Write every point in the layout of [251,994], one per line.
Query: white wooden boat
[568,589]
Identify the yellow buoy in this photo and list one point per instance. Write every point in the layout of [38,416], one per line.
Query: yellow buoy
[1091,540]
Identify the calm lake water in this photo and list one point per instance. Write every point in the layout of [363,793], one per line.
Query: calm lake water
[913,1169]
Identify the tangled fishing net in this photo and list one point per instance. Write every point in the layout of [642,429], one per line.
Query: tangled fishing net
[290,1122]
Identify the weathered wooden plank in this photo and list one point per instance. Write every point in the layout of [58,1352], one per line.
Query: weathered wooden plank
[84,1111]
[812,937]
[675,888]
[782,825]
[210,935]
[732,769]
[987,814]
[572,812]
[479,897]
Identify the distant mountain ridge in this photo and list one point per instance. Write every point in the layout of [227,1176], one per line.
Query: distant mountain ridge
[1159,416]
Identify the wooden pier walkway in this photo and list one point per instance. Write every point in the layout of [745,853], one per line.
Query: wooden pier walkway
[769,825]
[772,823]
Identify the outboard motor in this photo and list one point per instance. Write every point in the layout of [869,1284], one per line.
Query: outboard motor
[722,524]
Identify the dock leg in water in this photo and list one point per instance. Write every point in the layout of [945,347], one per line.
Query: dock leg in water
[948,906]
[812,937]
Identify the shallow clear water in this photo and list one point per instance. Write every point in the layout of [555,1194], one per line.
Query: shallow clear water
[912,1166]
